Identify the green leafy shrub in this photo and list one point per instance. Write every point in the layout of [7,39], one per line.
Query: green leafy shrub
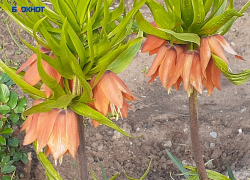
[11,108]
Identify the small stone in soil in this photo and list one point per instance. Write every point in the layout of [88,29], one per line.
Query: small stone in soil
[138,129]
[213,134]
[168,144]
[243,110]
[240,131]
[131,143]
[212,145]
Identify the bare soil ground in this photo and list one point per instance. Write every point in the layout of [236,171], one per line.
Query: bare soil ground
[163,119]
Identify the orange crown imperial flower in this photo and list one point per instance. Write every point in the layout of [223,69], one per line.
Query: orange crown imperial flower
[174,64]
[110,95]
[32,76]
[56,129]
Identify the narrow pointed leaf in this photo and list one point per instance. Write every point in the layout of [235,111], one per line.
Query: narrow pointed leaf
[46,164]
[21,83]
[61,102]
[189,37]
[236,79]
[49,81]
[199,15]
[230,172]
[88,112]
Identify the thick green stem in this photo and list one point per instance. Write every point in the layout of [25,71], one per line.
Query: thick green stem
[81,153]
[194,128]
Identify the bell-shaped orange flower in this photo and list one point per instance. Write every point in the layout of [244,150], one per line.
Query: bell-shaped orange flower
[165,63]
[214,44]
[32,76]
[56,129]
[110,95]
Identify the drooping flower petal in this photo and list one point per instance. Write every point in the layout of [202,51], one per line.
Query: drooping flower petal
[208,81]
[152,43]
[101,101]
[187,68]
[32,76]
[177,84]
[215,48]
[216,75]
[167,66]
[226,46]
[158,60]
[31,130]
[205,55]
[178,70]
[45,124]
[154,51]
[111,90]
[195,74]
[58,141]
[179,50]
[72,132]
[121,85]
[27,122]
[154,76]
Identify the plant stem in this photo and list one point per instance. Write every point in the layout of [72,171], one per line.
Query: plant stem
[81,153]
[194,128]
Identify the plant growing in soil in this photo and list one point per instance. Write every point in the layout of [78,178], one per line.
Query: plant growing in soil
[11,107]
[80,47]
[187,38]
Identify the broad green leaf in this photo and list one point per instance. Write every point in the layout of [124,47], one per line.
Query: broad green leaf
[17,156]
[217,22]
[4,109]
[4,93]
[14,118]
[222,8]
[13,142]
[208,5]
[46,164]
[6,131]
[160,13]
[82,10]
[2,141]
[230,172]
[3,77]
[6,177]
[21,105]
[178,164]
[216,176]
[188,37]
[8,169]
[24,158]
[145,26]
[48,80]
[61,102]
[65,54]
[5,160]
[125,58]
[236,79]
[77,44]
[13,100]
[199,15]
[88,112]
[21,83]
[187,13]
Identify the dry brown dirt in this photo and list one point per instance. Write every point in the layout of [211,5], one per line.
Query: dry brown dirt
[162,119]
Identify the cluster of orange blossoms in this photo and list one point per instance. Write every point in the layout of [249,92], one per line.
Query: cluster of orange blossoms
[58,129]
[175,63]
